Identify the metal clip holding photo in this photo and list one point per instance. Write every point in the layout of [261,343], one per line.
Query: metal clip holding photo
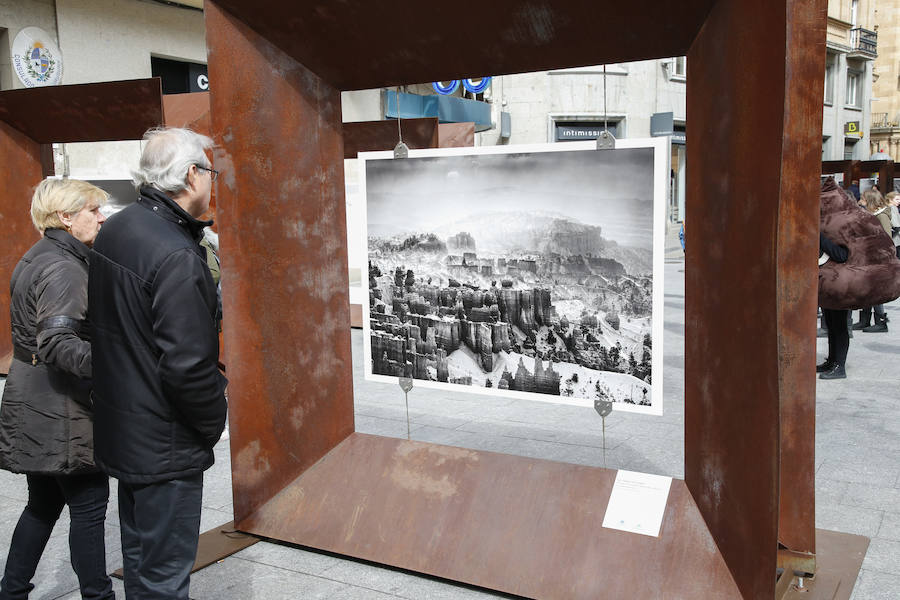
[605,141]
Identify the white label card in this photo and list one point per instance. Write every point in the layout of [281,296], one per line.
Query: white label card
[637,503]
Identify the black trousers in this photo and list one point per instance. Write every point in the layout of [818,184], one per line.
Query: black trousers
[838,335]
[87,496]
[160,530]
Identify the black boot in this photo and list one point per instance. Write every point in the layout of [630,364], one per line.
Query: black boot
[865,318]
[836,372]
[880,325]
[825,366]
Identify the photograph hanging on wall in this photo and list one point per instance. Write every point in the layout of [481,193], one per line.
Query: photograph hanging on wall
[532,272]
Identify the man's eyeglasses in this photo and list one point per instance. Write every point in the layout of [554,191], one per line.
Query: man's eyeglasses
[212,172]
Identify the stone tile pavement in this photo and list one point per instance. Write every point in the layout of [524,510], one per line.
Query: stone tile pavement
[857,471]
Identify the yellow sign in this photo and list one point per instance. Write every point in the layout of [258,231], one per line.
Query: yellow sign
[851,129]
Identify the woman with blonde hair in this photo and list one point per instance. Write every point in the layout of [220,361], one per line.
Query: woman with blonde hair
[875,203]
[46,419]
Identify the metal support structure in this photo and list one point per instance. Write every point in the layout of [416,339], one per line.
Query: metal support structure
[414,505]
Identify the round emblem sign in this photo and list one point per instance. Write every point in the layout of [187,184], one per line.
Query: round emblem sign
[36,59]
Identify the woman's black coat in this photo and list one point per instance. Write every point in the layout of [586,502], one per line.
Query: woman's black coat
[45,417]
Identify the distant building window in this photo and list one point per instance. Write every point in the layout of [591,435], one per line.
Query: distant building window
[849,146]
[179,77]
[854,89]
[677,68]
[829,79]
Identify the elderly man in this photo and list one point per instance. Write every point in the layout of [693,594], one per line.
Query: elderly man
[159,399]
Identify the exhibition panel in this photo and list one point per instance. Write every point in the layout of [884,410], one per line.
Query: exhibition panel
[280,204]
[751,290]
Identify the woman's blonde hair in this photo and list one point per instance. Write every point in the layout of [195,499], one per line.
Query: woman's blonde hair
[61,195]
[874,199]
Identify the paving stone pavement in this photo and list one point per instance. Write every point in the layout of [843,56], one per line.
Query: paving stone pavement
[857,472]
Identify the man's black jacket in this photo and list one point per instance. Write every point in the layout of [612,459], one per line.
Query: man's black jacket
[159,403]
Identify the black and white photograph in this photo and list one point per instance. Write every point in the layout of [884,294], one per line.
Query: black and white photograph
[532,272]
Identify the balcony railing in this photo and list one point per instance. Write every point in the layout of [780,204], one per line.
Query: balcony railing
[864,41]
[882,121]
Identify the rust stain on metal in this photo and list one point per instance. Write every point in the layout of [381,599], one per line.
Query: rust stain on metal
[425,468]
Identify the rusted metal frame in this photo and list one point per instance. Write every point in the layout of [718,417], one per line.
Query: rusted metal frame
[845,167]
[884,168]
[90,112]
[419,43]
[368,136]
[738,364]
[284,260]
[20,172]
[796,253]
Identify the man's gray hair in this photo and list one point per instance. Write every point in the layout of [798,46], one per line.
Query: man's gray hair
[168,154]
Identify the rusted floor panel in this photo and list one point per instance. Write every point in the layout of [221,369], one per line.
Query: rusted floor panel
[519,525]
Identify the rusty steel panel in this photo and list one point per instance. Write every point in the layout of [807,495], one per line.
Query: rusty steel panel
[187,110]
[90,112]
[748,189]
[20,172]
[417,42]
[367,136]
[456,135]
[796,253]
[284,259]
[510,523]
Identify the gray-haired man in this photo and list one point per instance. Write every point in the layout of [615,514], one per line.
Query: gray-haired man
[159,403]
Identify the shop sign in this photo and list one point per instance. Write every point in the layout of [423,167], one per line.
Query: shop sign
[852,129]
[36,59]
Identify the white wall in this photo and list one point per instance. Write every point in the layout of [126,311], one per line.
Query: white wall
[111,40]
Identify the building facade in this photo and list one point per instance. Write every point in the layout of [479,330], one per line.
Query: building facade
[885,133]
[852,47]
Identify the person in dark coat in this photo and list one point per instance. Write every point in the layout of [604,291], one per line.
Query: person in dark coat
[836,320]
[159,398]
[45,417]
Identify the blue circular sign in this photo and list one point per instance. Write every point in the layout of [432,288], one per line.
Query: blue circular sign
[476,85]
[445,90]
